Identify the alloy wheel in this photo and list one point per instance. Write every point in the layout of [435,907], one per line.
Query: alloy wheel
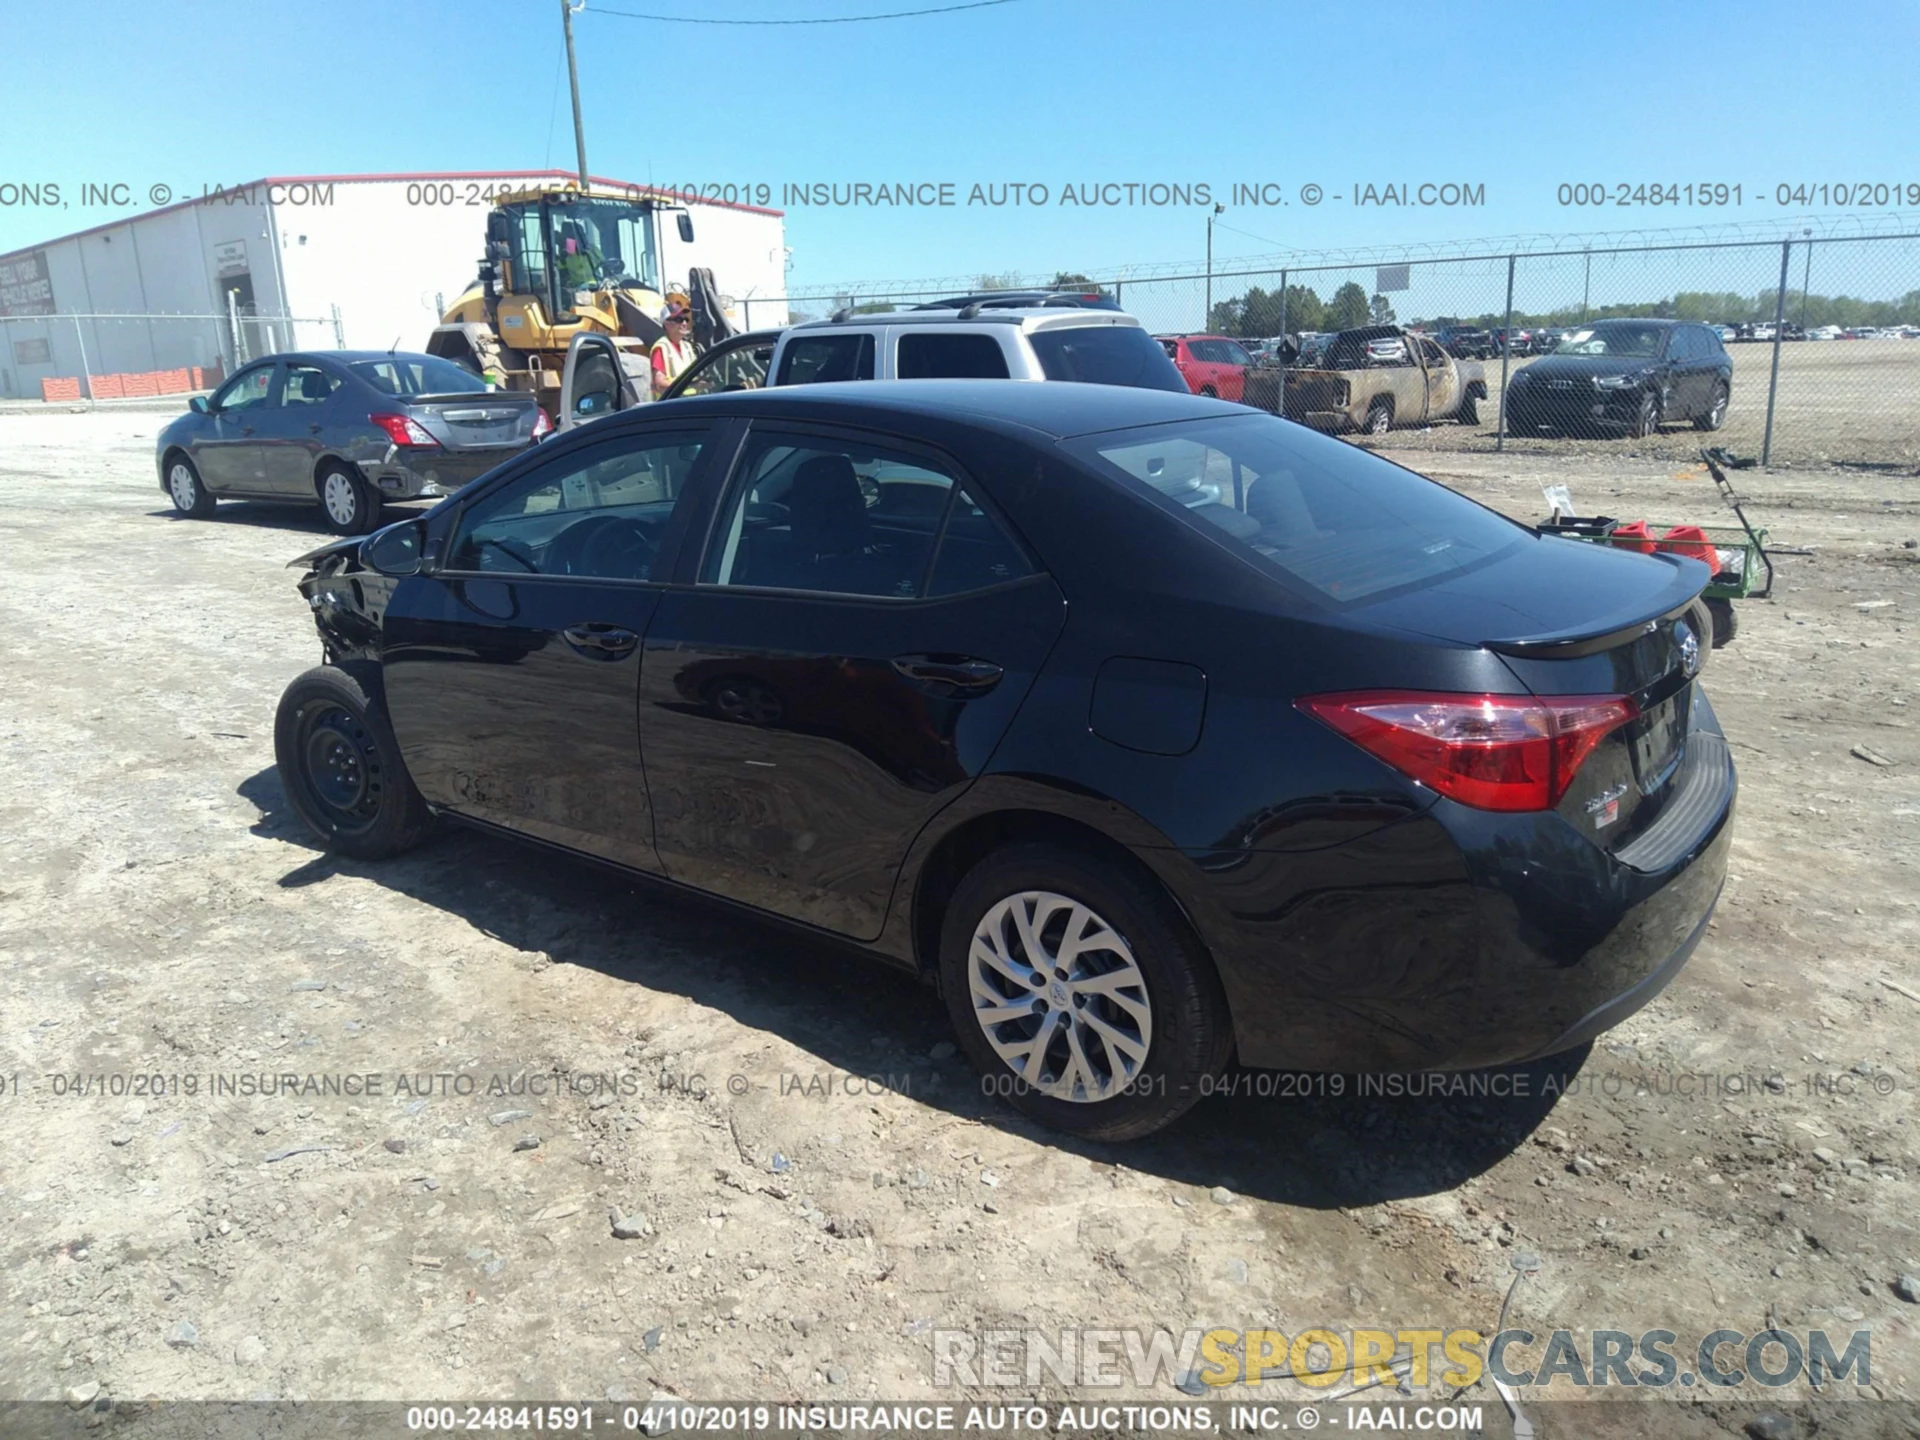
[1059,997]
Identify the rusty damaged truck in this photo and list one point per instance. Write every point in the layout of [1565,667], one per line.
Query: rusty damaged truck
[1371,379]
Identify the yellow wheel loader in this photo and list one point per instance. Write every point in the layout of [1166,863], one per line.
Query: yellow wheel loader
[563,261]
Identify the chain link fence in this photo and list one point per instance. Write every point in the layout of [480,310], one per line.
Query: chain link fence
[113,357]
[1823,331]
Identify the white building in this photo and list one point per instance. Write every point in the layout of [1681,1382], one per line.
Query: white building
[309,261]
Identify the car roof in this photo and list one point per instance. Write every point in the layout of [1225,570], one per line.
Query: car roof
[1058,408]
[1650,320]
[1034,317]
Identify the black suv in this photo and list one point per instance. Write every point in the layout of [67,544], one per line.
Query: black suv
[1635,375]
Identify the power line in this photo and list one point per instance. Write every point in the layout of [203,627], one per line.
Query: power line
[820,20]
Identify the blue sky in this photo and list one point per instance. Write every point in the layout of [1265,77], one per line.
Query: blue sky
[1515,97]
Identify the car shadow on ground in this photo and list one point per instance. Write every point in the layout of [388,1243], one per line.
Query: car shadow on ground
[297,518]
[1317,1141]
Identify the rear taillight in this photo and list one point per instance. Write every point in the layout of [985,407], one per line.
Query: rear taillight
[1494,752]
[541,425]
[404,429]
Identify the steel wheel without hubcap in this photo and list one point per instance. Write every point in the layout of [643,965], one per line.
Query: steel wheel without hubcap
[1059,997]
[340,767]
[342,499]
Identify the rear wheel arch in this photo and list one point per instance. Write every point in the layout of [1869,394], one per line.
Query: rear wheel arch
[967,844]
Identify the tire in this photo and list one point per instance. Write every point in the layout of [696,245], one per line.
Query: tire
[1716,415]
[190,497]
[350,505]
[1379,417]
[1726,624]
[1469,411]
[1209,392]
[1174,1002]
[341,768]
[1646,419]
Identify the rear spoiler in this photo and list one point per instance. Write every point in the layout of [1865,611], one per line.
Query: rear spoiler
[1689,579]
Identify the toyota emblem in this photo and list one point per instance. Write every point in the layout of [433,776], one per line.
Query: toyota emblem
[1688,644]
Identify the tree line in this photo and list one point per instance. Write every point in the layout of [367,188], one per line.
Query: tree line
[1260,312]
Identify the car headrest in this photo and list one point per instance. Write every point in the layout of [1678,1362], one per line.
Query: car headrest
[827,511]
[314,386]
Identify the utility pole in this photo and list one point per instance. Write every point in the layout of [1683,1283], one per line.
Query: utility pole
[573,80]
[1206,320]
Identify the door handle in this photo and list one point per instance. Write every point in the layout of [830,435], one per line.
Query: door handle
[313,429]
[601,642]
[246,430]
[962,672]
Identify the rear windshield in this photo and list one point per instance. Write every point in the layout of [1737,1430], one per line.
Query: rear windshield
[418,375]
[1105,355]
[1321,513]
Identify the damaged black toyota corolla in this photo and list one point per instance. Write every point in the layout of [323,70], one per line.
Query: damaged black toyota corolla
[1156,731]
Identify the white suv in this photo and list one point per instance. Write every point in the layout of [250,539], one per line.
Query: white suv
[1101,347]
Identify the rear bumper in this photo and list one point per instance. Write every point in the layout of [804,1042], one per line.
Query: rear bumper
[1460,938]
[428,474]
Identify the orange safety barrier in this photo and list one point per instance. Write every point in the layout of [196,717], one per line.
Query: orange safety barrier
[1636,537]
[63,387]
[1691,541]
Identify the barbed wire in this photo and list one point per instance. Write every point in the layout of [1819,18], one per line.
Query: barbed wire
[1524,245]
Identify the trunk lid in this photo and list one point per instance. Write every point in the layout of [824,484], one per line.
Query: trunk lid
[485,420]
[1572,618]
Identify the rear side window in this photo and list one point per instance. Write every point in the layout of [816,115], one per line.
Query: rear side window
[846,518]
[1106,355]
[950,357]
[1324,516]
[1233,354]
[975,552]
[820,359]
[418,375]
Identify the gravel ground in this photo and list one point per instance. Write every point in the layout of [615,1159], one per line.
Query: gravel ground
[810,1182]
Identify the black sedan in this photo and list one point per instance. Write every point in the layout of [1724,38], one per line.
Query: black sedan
[346,429]
[1152,729]
[1631,375]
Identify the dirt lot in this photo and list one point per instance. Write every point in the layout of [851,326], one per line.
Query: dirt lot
[806,1229]
[1842,404]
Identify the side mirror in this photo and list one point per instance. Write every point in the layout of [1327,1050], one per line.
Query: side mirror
[396,550]
[499,227]
[198,404]
[683,222]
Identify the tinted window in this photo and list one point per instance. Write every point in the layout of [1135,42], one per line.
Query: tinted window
[595,382]
[596,512]
[815,359]
[417,375]
[974,552]
[1625,339]
[1106,355]
[246,391]
[742,368]
[1319,513]
[1232,354]
[307,385]
[841,518]
[950,357]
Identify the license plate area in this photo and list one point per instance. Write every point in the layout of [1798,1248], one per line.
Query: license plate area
[1659,740]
